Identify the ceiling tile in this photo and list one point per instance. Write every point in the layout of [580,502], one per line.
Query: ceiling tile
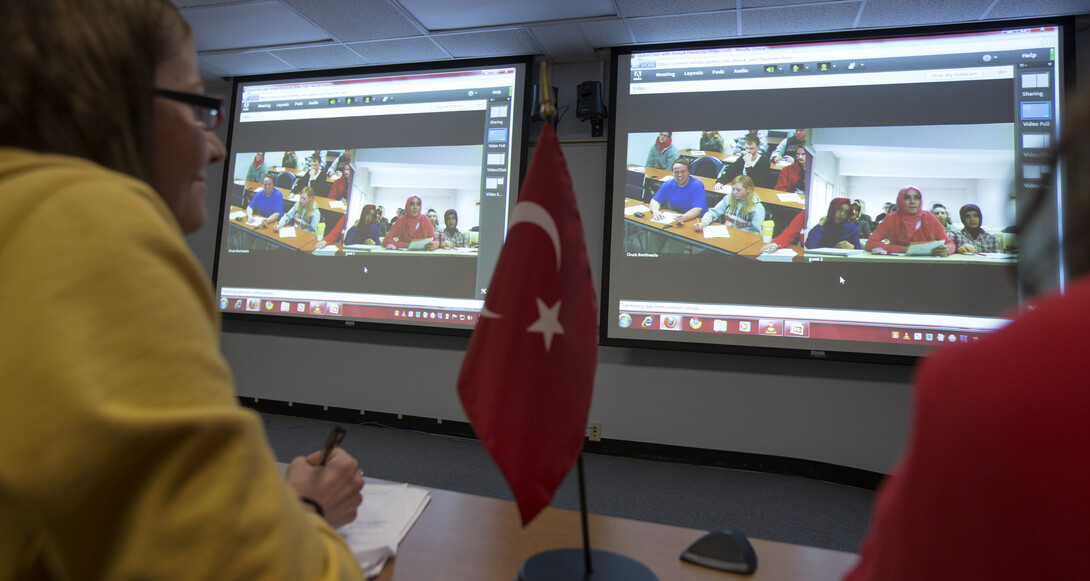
[246,63]
[688,27]
[320,57]
[884,13]
[773,21]
[404,50]
[630,8]
[487,43]
[786,3]
[351,20]
[602,33]
[1023,9]
[256,24]
[564,43]
[448,15]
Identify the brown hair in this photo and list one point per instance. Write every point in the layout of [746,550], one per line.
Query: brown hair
[79,77]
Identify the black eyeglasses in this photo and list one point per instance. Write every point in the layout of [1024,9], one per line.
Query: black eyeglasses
[209,109]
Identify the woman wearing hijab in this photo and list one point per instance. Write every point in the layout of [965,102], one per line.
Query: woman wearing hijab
[860,219]
[837,231]
[357,234]
[907,224]
[412,225]
[663,154]
[365,231]
[973,239]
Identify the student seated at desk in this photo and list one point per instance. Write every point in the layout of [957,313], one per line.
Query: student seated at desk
[290,161]
[451,236]
[761,135]
[836,231]
[342,185]
[711,141]
[861,219]
[793,177]
[662,152]
[741,209]
[791,235]
[124,452]
[268,203]
[908,223]
[303,215]
[314,177]
[973,239]
[412,225]
[943,215]
[683,194]
[751,163]
[257,170]
[784,149]
[365,230]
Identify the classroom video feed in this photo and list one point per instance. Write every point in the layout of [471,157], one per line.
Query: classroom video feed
[344,202]
[931,194]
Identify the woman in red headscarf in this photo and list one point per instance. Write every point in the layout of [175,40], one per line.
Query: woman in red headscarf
[412,225]
[910,223]
[837,231]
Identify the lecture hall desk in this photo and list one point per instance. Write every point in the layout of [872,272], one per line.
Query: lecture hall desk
[467,537]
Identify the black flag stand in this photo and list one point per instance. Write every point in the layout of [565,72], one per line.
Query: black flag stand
[568,564]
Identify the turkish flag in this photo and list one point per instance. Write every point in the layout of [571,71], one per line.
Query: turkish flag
[528,374]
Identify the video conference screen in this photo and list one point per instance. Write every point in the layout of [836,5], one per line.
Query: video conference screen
[835,196]
[375,197]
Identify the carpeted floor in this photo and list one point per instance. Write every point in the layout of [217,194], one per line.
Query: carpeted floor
[790,509]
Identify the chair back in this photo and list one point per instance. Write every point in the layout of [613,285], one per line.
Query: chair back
[707,167]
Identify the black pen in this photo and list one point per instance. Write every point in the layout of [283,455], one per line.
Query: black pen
[334,439]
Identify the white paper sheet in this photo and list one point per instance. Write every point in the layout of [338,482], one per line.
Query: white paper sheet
[716,231]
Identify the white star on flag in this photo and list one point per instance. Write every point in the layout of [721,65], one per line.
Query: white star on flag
[548,322]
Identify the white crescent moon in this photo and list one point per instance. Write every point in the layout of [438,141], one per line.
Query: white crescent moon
[535,214]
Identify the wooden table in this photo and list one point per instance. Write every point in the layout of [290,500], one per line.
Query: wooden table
[738,243]
[766,195]
[323,202]
[303,240]
[462,536]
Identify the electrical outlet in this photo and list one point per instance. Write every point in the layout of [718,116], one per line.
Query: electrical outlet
[594,432]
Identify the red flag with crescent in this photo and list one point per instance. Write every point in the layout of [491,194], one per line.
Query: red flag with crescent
[528,373]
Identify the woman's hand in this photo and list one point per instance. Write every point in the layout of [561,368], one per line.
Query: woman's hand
[940,250]
[335,486]
[844,245]
[276,227]
[966,249]
[321,243]
[770,247]
[429,246]
[369,242]
[718,187]
[698,226]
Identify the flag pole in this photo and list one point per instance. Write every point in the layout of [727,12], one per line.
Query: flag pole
[564,563]
[548,108]
[548,113]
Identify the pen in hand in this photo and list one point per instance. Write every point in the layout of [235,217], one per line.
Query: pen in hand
[334,439]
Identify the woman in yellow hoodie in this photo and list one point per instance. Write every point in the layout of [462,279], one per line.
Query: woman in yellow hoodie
[123,452]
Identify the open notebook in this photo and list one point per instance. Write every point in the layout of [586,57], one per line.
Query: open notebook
[385,517]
